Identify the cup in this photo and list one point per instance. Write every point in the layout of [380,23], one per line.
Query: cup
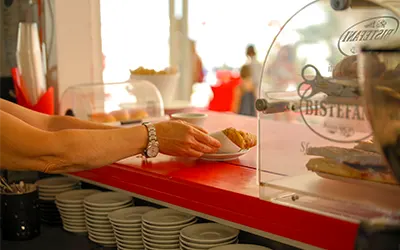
[197,119]
[20,216]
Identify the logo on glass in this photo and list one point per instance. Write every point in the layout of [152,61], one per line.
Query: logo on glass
[372,29]
[332,108]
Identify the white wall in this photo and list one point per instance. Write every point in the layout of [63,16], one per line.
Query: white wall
[76,51]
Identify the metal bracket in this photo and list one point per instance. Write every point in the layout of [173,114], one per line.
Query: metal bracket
[339,5]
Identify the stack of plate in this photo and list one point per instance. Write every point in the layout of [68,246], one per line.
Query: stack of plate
[97,207]
[48,189]
[127,226]
[241,247]
[161,227]
[207,235]
[70,206]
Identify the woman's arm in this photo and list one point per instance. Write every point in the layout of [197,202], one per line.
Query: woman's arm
[56,123]
[25,147]
[47,122]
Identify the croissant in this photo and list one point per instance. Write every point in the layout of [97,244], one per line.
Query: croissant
[242,139]
[347,68]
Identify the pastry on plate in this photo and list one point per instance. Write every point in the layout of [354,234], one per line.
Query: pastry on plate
[347,68]
[330,166]
[102,118]
[138,114]
[350,155]
[120,115]
[368,146]
[242,139]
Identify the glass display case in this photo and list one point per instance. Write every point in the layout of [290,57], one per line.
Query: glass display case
[114,103]
[314,130]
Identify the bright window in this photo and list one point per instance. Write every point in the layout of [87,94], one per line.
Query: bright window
[134,33]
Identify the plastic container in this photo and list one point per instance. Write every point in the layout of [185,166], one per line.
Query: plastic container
[115,103]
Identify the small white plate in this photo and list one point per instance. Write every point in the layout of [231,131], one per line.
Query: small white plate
[166,217]
[95,226]
[159,232]
[106,210]
[75,229]
[129,215]
[98,230]
[240,247]
[167,228]
[73,217]
[224,156]
[75,196]
[127,229]
[78,223]
[125,225]
[133,238]
[96,216]
[128,246]
[45,198]
[123,233]
[68,205]
[209,233]
[160,246]
[55,191]
[107,199]
[71,211]
[153,248]
[97,221]
[56,182]
[103,235]
[102,241]
[162,242]
[160,237]
[188,244]
[129,242]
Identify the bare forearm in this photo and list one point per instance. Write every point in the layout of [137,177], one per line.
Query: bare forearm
[47,122]
[57,123]
[24,147]
[97,148]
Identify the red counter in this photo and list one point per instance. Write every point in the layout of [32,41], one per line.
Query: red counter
[225,192]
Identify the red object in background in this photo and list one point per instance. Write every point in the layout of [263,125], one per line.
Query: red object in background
[223,92]
[45,104]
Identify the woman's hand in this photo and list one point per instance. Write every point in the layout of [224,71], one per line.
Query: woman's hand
[178,138]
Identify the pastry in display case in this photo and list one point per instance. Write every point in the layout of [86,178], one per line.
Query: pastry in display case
[335,158]
[121,103]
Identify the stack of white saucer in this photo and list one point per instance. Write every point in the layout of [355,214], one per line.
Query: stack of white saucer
[70,206]
[97,207]
[206,236]
[240,247]
[48,189]
[161,227]
[127,226]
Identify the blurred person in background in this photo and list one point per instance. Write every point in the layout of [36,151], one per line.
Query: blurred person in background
[256,66]
[283,69]
[198,73]
[284,77]
[244,93]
